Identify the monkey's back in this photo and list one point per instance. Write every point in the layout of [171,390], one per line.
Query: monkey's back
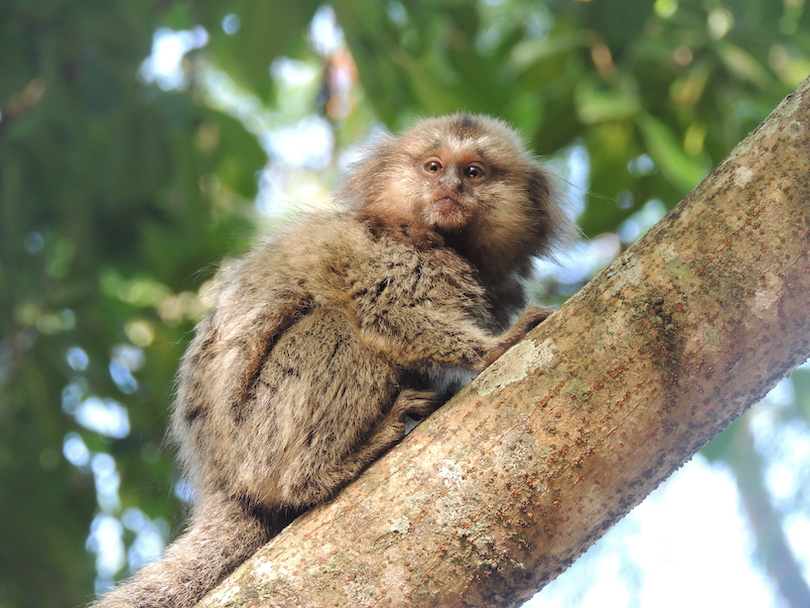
[313,336]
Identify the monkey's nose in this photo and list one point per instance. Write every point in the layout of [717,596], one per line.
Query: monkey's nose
[449,181]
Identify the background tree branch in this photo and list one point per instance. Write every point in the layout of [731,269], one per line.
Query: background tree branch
[498,492]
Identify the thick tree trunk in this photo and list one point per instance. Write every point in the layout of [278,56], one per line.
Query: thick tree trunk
[498,492]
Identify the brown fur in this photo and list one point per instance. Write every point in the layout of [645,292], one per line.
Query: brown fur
[327,335]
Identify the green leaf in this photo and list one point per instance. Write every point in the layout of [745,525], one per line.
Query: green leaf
[681,169]
[596,101]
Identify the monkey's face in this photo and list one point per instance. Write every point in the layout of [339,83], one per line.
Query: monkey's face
[467,177]
[449,182]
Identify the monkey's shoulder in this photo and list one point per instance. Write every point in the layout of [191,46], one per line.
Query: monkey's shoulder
[329,260]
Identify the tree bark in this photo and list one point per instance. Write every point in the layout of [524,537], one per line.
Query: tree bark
[499,491]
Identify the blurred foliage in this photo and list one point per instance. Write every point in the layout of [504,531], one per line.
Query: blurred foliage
[119,192]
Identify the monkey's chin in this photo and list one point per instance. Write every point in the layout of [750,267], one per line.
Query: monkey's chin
[445,214]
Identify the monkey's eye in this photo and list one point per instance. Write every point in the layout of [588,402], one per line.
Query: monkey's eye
[432,166]
[475,172]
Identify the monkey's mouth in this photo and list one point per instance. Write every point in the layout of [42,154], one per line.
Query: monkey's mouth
[447,206]
[445,212]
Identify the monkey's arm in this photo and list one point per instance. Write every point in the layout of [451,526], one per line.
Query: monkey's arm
[531,317]
[433,315]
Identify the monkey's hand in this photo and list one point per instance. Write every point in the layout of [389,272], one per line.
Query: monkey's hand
[529,319]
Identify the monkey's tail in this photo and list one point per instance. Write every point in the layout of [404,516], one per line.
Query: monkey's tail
[222,535]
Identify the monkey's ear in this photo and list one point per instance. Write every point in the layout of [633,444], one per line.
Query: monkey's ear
[553,220]
[366,173]
[538,187]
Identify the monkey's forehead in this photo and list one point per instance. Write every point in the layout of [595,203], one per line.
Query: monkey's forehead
[465,149]
[463,134]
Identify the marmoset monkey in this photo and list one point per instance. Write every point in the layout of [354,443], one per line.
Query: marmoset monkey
[327,335]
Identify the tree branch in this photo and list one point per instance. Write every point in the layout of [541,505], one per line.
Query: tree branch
[499,491]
